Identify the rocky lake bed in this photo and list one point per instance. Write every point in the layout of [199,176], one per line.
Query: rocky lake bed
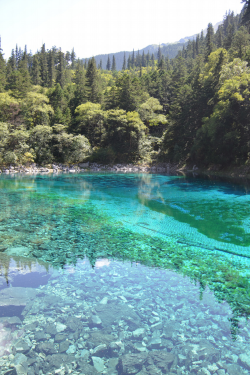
[101,274]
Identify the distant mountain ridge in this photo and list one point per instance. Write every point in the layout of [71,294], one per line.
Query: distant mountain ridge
[168,49]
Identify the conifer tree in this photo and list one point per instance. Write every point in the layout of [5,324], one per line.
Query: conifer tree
[113,64]
[159,54]
[219,38]
[209,40]
[2,70]
[129,62]
[246,15]
[67,59]
[80,95]
[51,68]
[93,83]
[143,60]
[108,66]
[36,71]
[61,69]
[152,60]
[124,62]
[44,66]
[73,59]
[133,59]
[138,59]
[100,65]
[197,44]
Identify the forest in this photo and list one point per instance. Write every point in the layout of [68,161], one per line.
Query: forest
[191,109]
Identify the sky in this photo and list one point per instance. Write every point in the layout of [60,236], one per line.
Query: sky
[96,27]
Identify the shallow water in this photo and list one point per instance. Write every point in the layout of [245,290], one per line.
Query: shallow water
[124,274]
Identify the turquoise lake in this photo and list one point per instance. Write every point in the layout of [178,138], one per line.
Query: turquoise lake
[112,273]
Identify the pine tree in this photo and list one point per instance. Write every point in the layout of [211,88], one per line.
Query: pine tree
[108,66]
[219,38]
[246,13]
[138,59]
[209,40]
[2,70]
[44,66]
[67,59]
[159,54]
[124,62]
[229,36]
[197,44]
[100,65]
[36,71]
[93,83]
[143,60]
[113,64]
[152,60]
[73,59]
[80,95]
[133,59]
[61,69]
[129,62]
[51,69]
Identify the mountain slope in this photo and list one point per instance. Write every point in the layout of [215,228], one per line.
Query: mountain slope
[167,49]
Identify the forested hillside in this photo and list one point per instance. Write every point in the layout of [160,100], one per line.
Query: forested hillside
[194,108]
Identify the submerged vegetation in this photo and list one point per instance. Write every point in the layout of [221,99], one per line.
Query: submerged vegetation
[192,109]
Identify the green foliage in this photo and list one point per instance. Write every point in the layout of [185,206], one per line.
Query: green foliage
[193,108]
[69,148]
[36,110]
[90,120]
[14,145]
[41,142]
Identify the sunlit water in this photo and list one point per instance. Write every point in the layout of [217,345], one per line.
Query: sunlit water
[124,274]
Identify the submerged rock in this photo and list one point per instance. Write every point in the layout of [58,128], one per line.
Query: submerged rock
[98,364]
[17,296]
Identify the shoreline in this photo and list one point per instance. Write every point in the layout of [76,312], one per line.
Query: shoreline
[242,172]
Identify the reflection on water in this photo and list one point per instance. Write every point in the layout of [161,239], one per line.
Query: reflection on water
[67,305]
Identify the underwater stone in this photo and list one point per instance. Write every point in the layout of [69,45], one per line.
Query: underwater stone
[245,360]
[98,364]
[64,345]
[156,326]
[22,346]
[19,359]
[60,327]
[204,371]
[104,301]
[139,332]
[60,337]
[132,363]
[100,350]
[96,320]
[47,348]
[84,353]
[139,347]
[221,372]
[18,251]
[16,296]
[155,343]
[71,350]
[11,320]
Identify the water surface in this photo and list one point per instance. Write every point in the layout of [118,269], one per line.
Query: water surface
[124,274]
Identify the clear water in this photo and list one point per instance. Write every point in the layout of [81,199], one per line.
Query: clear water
[124,274]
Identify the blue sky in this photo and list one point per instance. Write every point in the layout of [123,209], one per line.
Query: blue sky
[105,26]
